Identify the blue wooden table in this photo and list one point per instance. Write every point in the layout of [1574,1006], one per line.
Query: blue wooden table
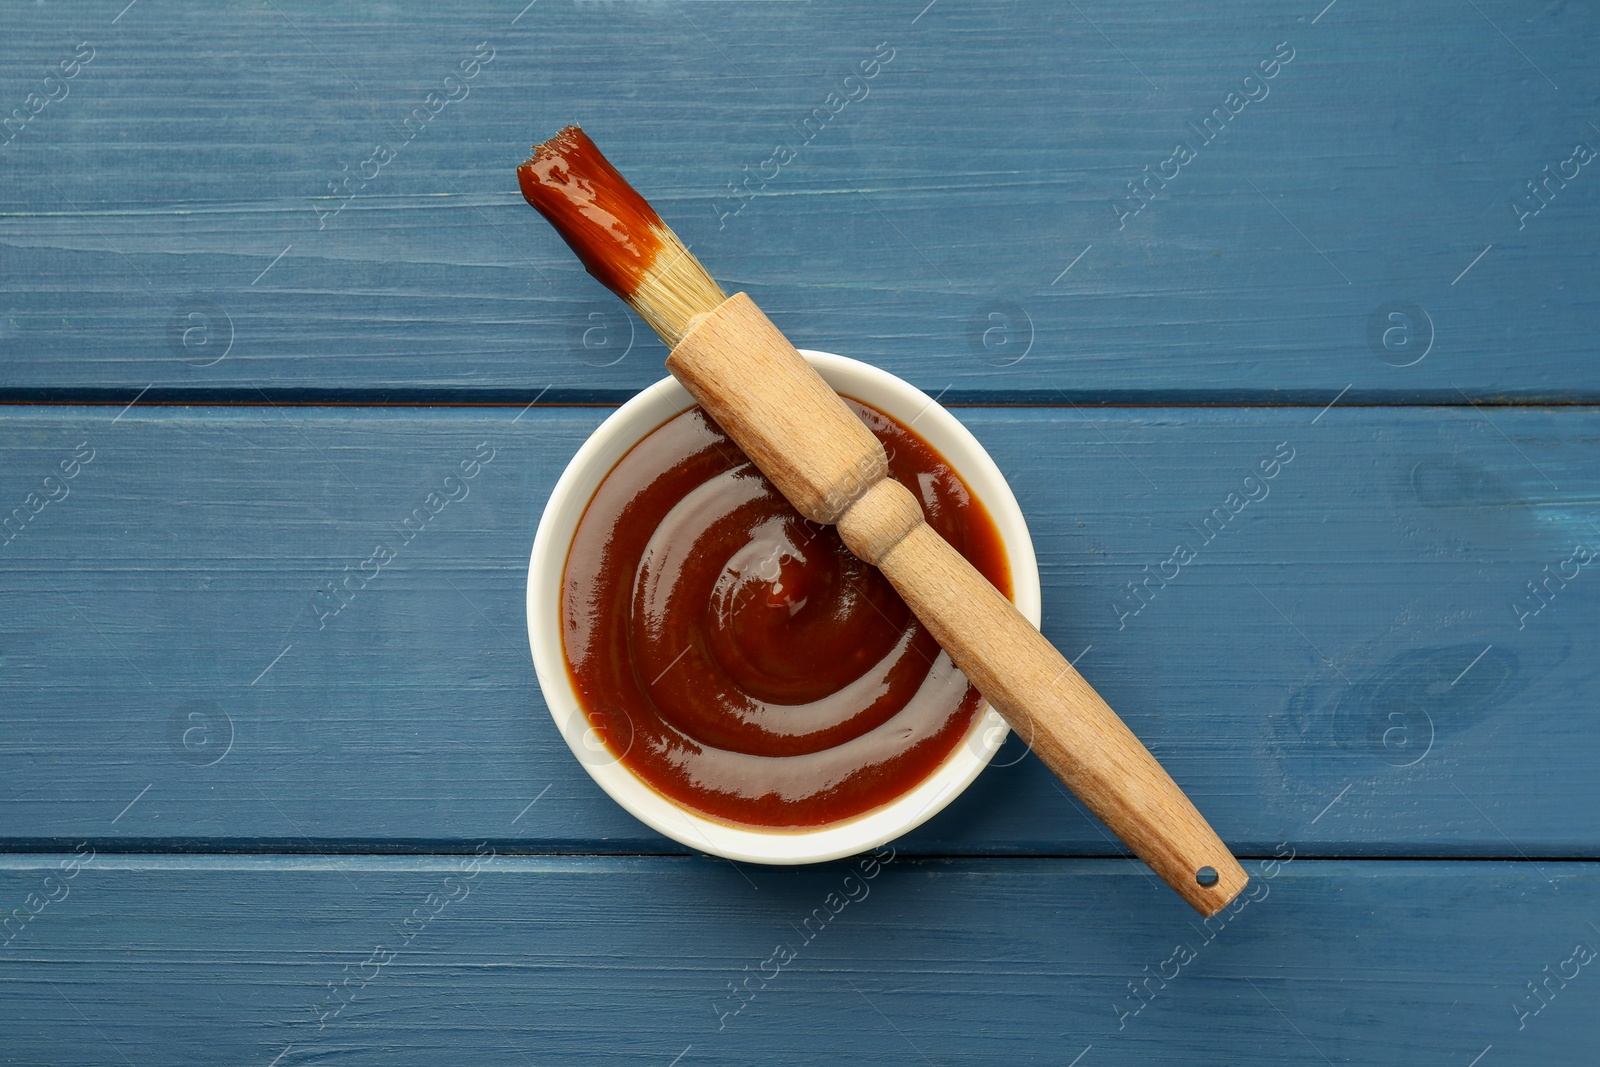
[265,279]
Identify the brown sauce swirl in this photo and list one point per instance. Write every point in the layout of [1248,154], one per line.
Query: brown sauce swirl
[737,658]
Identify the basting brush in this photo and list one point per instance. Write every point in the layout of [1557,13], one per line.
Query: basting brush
[795,429]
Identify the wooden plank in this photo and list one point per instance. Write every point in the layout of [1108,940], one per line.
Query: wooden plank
[598,960]
[966,222]
[1341,665]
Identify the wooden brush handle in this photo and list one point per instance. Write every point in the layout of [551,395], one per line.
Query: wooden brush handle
[750,379]
[1045,700]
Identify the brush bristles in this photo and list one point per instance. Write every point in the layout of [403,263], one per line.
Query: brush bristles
[674,290]
[617,234]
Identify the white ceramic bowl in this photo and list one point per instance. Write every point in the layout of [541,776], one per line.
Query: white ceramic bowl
[630,423]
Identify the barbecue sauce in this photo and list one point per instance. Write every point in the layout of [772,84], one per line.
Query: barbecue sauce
[737,658]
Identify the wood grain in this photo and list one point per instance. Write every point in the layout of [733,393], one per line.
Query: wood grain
[580,960]
[1384,160]
[1349,638]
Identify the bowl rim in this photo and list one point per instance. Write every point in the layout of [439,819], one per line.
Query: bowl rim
[620,431]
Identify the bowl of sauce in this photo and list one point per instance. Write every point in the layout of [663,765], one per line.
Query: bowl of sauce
[725,669]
